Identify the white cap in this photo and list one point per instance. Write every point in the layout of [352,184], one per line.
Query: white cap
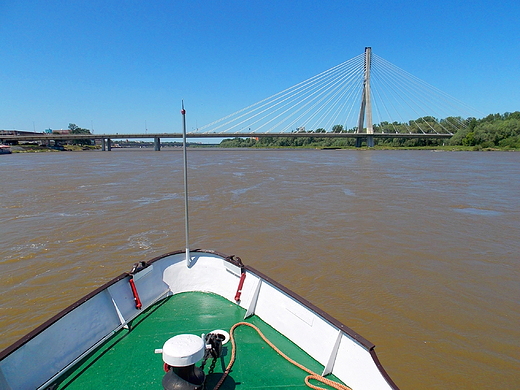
[183,350]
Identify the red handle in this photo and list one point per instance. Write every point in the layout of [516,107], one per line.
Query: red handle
[138,304]
[240,285]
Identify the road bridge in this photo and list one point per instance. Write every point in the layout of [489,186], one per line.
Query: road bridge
[365,98]
[106,139]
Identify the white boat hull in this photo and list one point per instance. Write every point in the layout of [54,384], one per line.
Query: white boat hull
[72,334]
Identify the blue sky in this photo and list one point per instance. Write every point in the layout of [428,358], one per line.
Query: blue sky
[118,66]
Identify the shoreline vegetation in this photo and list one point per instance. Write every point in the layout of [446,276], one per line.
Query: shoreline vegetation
[495,132]
[440,148]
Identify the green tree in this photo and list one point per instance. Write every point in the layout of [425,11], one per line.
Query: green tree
[469,139]
[74,129]
[337,129]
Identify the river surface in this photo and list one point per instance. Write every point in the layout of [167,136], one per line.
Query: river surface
[418,251]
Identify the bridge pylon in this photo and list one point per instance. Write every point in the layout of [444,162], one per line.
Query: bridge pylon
[365,111]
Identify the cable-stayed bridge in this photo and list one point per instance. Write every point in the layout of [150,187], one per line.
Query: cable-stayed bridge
[366,97]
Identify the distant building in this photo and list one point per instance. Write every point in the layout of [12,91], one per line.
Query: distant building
[17,132]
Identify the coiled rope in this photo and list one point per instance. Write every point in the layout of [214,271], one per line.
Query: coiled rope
[312,374]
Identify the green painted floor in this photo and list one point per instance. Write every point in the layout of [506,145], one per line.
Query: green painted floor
[128,361]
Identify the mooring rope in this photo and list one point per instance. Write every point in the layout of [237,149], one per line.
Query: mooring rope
[312,374]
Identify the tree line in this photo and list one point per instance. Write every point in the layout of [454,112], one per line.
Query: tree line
[74,129]
[495,131]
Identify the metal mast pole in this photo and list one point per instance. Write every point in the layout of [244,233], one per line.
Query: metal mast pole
[185,158]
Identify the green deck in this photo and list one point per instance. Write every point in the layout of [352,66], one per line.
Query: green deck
[128,361]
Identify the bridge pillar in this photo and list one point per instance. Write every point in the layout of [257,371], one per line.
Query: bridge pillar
[366,105]
[369,139]
[103,145]
[157,144]
[109,144]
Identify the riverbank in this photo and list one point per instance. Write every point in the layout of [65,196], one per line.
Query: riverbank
[45,149]
[447,148]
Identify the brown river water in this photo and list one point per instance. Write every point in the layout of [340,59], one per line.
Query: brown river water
[418,251]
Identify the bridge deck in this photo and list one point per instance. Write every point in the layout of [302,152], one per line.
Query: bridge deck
[44,136]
